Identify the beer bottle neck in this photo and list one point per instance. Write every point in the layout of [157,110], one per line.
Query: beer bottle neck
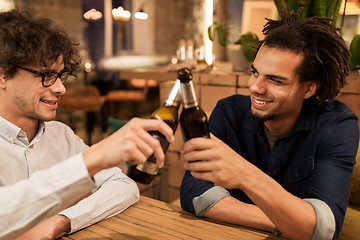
[188,95]
[173,98]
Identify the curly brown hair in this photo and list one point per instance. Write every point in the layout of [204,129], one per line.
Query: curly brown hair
[326,57]
[25,40]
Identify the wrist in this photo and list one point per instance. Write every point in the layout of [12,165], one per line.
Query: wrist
[250,178]
[92,160]
[62,225]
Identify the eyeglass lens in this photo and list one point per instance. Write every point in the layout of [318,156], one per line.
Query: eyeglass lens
[51,77]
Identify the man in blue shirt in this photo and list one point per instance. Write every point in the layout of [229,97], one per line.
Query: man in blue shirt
[280,159]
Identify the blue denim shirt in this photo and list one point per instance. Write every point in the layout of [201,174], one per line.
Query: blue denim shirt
[315,160]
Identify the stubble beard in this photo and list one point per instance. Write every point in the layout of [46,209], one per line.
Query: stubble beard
[30,112]
[261,117]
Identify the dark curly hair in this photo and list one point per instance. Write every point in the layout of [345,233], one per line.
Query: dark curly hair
[28,41]
[326,57]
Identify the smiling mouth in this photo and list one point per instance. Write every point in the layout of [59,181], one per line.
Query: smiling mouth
[48,102]
[262,102]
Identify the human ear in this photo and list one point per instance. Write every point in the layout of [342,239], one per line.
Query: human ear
[2,80]
[311,88]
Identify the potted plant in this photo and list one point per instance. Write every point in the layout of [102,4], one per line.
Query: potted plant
[241,52]
[311,8]
[329,9]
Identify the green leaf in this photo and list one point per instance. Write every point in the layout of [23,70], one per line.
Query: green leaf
[311,8]
[307,8]
[320,8]
[221,35]
[211,32]
[355,51]
[331,7]
[292,5]
[218,29]
[279,5]
[249,43]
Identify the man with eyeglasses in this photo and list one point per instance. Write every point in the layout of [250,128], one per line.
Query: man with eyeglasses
[44,166]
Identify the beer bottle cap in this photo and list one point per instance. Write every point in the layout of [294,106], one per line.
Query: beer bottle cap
[184,75]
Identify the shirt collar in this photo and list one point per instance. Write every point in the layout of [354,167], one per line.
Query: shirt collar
[40,132]
[10,131]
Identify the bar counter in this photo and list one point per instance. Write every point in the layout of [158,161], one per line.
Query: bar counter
[153,219]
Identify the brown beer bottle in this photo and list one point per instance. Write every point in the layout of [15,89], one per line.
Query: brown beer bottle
[193,120]
[168,112]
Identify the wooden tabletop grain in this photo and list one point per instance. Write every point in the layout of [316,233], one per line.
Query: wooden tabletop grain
[153,219]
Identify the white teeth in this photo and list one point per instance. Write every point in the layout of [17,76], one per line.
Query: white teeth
[47,102]
[259,102]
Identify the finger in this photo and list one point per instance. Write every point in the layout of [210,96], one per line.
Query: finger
[199,155]
[136,138]
[156,125]
[133,154]
[196,144]
[145,148]
[212,136]
[158,152]
[200,166]
[160,157]
[150,145]
[137,157]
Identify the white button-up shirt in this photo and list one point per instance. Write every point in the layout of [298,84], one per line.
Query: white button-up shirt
[21,165]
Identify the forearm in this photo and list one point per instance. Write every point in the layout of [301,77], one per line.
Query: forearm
[51,228]
[294,217]
[28,202]
[233,211]
[115,193]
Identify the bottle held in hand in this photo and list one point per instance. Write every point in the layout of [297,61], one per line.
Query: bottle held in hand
[193,120]
[168,112]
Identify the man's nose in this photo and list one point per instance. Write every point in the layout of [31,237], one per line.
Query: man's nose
[58,87]
[257,85]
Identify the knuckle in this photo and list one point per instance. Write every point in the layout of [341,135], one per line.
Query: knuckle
[154,143]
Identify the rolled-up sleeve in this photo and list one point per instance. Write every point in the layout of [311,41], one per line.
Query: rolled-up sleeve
[208,199]
[325,221]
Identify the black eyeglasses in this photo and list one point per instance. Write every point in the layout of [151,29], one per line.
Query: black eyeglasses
[49,78]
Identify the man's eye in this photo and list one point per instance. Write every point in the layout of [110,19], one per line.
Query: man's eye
[254,73]
[50,74]
[274,80]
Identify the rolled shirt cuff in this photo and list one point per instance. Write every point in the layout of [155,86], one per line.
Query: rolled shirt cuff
[325,220]
[208,199]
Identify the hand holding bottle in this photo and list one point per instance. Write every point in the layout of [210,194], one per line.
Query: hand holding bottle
[131,143]
[168,112]
[212,160]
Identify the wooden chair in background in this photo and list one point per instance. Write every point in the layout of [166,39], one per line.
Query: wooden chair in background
[137,94]
[85,98]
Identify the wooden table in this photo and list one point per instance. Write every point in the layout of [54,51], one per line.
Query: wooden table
[153,219]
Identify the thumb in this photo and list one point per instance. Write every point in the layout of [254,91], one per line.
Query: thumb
[212,136]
